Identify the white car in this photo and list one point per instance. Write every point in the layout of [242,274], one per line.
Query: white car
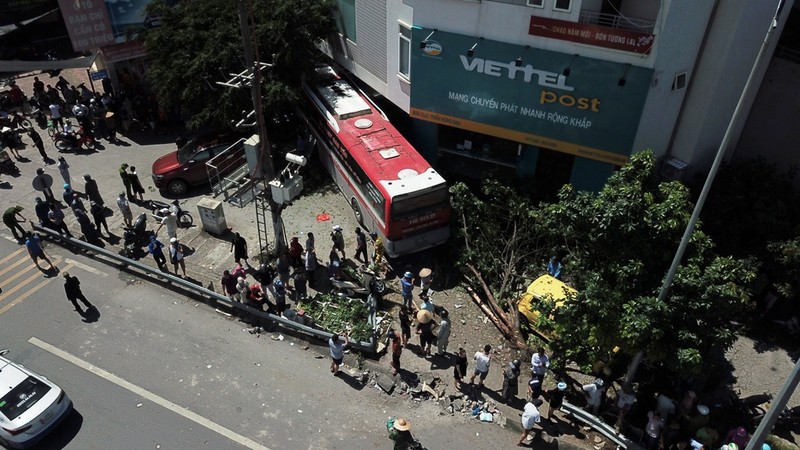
[30,405]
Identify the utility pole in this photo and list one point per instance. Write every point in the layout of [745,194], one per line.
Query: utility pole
[712,174]
[264,170]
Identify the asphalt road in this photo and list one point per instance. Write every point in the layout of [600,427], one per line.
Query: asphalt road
[158,370]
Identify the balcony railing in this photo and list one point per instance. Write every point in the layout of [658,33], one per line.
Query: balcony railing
[615,21]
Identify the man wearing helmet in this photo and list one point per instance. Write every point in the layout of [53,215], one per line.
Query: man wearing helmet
[407,289]
[510,381]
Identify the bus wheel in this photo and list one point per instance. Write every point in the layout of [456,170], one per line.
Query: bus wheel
[357,211]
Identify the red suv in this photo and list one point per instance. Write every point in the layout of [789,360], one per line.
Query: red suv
[175,172]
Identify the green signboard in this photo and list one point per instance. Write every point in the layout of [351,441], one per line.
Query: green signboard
[569,103]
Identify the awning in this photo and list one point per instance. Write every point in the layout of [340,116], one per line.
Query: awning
[83,62]
[5,29]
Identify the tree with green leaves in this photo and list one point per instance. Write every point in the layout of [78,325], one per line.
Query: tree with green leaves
[199,43]
[619,244]
[495,246]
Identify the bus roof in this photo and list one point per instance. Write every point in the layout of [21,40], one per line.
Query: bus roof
[371,139]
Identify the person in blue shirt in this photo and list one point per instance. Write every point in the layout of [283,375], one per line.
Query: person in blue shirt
[32,244]
[554,268]
[407,289]
[155,248]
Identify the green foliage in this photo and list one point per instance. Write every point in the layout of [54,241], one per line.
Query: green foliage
[199,43]
[335,314]
[751,203]
[620,243]
[494,232]
[785,257]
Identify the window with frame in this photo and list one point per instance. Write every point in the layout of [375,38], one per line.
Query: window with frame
[404,44]
[536,3]
[347,18]
[562,5]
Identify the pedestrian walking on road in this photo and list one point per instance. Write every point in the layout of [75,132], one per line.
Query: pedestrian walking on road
[443,338]
[43,182]
[539,364]
[400,433]
[338,240]
[361,245]
[126,181]
[72,287]
[534,388]
[92,191]
[407,289]
[295,252]
[42,209]
[482,362]
[98,214]
[337,345]
[425,280]
[67,194]
[530,417]
[405,325]
[156,248]
[176,254]
[125,209]
[12,218]
[280,296]
[311,266]
[556,398]
[397,350]
[63,169]
[460,368]
[239,249]
[425,331]
[310,241]
[35,250]
[510,381]
[625,400]
[56,217]
[595,392]
[228,283]
[171,221]
[136,185]
[378,250]
[283,267]
[37,142]
[55,116]
[77,203]
[299,279]
[88,230]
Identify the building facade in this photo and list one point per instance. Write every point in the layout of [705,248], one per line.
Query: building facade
[559,91]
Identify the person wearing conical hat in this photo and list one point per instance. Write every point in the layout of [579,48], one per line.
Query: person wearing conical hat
[425,331]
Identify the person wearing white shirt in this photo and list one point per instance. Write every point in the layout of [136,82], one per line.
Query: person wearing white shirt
[530,417]
[594,395]
[482,361]
[539,364]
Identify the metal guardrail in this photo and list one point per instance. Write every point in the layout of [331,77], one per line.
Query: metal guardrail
[369,347]
[600,426]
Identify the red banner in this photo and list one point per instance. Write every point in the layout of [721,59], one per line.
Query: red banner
[616,38]
[87,23]
[124,51]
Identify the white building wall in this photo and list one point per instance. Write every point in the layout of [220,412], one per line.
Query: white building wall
[679,38]
[737,31]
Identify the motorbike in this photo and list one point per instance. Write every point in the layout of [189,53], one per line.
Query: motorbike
[16,121]
[185,220]
[73,141]
[135,237]
[371,284]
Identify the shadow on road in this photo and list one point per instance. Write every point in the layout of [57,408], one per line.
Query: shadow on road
[63,434]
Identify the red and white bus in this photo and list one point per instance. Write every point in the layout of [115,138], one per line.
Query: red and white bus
[392,189]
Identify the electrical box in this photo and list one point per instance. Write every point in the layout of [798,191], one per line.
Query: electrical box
[212,216]
[674,169]
[284,191]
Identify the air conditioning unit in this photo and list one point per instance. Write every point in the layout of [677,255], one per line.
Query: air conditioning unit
[674,169]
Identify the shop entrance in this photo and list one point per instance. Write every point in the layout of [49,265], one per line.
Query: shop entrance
[553,170]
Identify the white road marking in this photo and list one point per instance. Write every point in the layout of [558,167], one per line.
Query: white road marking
[147,394]
[86,268]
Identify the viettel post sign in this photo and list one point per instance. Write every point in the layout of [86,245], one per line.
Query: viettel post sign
[587,113]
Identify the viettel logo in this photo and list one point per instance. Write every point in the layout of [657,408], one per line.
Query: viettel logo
[432,48]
